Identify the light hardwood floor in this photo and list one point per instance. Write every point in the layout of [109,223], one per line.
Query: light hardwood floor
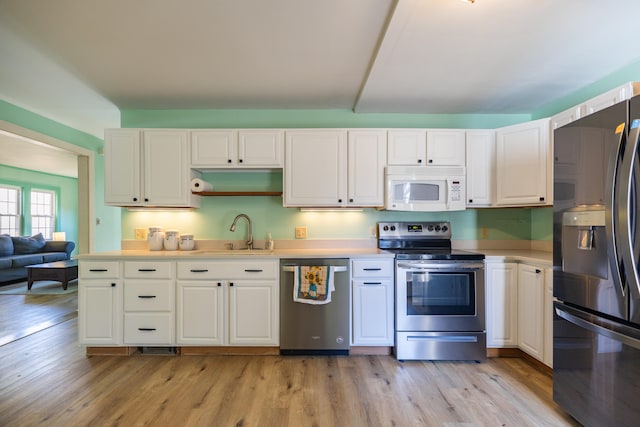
[46,379]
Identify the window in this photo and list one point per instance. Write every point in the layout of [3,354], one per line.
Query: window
[42,213]
[9,210]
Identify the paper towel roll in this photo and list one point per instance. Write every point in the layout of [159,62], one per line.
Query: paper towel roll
[198,185]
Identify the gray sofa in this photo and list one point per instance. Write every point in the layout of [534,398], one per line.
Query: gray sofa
[16,253]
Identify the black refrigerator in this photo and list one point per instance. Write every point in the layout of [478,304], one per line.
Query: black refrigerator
[596,277]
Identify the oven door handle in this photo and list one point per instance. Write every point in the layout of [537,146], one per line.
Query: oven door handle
[442,266]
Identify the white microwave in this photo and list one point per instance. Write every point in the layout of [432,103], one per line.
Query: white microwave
[425,188]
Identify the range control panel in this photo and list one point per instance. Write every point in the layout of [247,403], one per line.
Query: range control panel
[412,230]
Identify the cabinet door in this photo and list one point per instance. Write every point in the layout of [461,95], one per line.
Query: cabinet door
[315,170]
[480,168]
[548,318]
[502,304]
[406,147]
[611,97]
[214,148]
[100,312]
[253,313]
[445,147]
[200,312]
[261,148]
[373,312]
[567,116]
[522,164]
[122,167]
[366,161]
[531,288]
[166,168]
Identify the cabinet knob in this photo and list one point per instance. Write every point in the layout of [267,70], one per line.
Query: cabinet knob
[230,283]
[470,200]
[538,271]
[339,200]
[430,160]
[146,200]
[240,160]
[219,284]
[419,160]
[229,161]
[135,199]
[542,199]
[113,285]
[350,200]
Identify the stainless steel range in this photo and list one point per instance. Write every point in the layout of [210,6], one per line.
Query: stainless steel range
[440,305]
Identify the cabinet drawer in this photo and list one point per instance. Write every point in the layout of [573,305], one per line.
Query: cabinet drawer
[148,295]
[149,269]
[148,328]
[234,269]
[99,269]
[372,268]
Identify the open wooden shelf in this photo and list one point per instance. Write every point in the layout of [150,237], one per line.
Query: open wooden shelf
[238,193]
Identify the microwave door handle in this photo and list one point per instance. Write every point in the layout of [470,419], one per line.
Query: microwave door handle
[625,215]
[611,221]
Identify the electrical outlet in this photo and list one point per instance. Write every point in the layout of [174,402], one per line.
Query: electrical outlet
[301,232]
[484,232]
[141,234]
[373,234]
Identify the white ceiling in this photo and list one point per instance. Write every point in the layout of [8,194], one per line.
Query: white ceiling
[404,56]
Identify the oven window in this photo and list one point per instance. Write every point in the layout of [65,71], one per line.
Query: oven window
[446,293]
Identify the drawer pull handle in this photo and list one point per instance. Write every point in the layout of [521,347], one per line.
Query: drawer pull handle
[146,270]
[372,283]
[372,269]
[249,270]
[146,296]
[198,271]
[147,329]
[98,270]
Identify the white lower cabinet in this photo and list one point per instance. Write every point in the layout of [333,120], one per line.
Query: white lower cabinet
[373,302]
[501,281]
[149,301]
[227,303]
[100,303]
[519,307]
[531,288]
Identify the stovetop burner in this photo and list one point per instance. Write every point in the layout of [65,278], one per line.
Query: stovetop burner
[421,241]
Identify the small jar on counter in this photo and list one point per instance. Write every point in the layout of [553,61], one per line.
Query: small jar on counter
[171,240]
[155,238]
[186,242]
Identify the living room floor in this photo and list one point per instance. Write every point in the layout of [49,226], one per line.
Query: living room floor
[47,380]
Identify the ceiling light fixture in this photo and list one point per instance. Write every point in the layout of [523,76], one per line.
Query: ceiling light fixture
[470,1]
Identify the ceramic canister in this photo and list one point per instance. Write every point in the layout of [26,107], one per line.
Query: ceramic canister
[155,238]
[171,240]
[186,242]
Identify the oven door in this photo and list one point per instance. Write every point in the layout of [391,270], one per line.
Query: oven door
[435,296]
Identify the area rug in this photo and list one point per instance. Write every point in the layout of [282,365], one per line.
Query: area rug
[43,287]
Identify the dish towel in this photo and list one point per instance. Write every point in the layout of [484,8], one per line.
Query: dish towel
[313,284]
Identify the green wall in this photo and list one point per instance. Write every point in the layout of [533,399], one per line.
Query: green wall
[107,233]
[66,190]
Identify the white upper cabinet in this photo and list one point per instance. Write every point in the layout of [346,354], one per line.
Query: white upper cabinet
[446,147]
[611,97]
[367,157]
[523,165]
[245,148]
[315,172]
[414,147]
[148,168]
[567,116]
[480,158]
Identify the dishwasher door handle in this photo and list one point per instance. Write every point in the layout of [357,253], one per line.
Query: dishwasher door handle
[292,268]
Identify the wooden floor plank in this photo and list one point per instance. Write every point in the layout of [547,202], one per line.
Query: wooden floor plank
[46,379]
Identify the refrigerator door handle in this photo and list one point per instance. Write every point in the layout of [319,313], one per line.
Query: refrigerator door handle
[602,327]
[625,208]
[611,210]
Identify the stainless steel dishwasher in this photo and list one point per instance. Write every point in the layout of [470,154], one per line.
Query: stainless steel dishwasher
[314,329]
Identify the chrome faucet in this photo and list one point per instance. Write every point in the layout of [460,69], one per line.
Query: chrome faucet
[250,236]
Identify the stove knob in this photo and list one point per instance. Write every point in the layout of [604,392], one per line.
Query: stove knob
[445,228]
[385,228]
[393,228]
[430,228]
[437,228]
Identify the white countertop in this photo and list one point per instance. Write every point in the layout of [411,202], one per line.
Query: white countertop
[518,255]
